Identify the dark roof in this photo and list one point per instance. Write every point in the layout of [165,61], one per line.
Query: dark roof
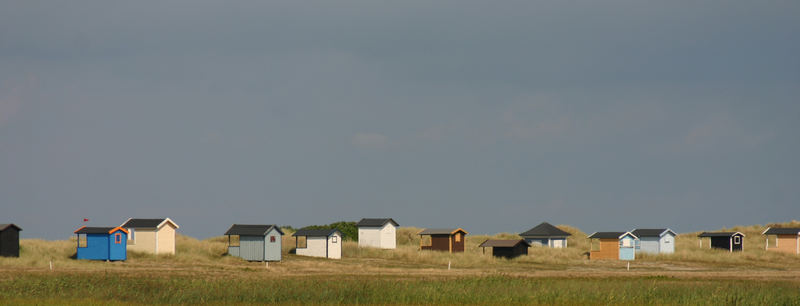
[441,231]
[503,243]
[143,223]
[315,232]
[545,230]
[252,229]
[98,230]
[719,234]
[608,235]
[375,222]
[783,231]
[651,232]
[6,226]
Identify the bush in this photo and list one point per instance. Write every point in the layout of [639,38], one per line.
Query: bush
[348,229]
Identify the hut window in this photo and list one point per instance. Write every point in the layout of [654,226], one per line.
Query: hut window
[233,240]
[82,242]
[302,242]
[458,237]
[626,243]
[131,233]
[737,240]
[271,238]
[334,239]
[117,238]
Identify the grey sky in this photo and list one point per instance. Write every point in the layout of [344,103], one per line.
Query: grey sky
[491,116]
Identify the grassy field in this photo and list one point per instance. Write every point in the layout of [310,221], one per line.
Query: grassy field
[201,273]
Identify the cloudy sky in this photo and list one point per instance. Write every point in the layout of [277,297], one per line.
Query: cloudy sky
[491,116]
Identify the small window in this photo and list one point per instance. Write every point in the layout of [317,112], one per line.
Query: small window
[737,239]
[82,242]
[458,237]
[233,240]
[334,239]
[302,242]
[271,238]
[117,238]
[131,234]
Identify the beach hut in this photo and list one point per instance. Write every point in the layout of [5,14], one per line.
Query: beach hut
[155,236]
[255,242]
[546,235]
[787,240]
[9,240]
[326,243]
[444,239]
[506,248]
[655,240]
[613,245]
[731,241]
[377,233]
[102,243]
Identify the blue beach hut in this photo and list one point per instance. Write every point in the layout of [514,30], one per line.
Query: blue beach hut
[102,243]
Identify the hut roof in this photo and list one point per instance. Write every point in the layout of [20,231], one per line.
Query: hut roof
[442,231]
[503,243]
[610,235]
[252,229]
[375,222]
[782,231]
[545,230]
[147,223]
[7,225]
[652,232]
[99,230]
[719,234]
[316,232]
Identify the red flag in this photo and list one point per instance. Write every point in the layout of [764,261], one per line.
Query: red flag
[85,220]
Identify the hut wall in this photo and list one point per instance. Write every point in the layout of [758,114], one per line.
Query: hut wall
[786,244]
[166,239]
[9,242]
[272,247]
[609,249]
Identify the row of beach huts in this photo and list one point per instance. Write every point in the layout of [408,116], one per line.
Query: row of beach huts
[264,242]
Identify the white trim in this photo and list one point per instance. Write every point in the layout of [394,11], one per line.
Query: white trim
[156,234]
[165,221]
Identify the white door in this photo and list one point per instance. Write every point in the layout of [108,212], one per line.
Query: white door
[558,243]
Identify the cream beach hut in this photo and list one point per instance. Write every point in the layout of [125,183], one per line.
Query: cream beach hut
[156,236]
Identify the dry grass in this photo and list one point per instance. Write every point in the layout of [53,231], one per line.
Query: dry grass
[209,256]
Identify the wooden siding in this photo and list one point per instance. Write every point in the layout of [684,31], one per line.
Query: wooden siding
[166,239]
[272,250]
[144,240]
[609,249]
[439,243]
[9,242]
[785,244]
[251,248]
[510,252]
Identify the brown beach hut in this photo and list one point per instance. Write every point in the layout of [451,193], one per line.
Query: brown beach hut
[444,239]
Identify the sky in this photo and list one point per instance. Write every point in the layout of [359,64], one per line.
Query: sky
[490,116]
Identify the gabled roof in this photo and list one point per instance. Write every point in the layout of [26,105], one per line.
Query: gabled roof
[147,223]
[652,232]
[719,234]
[375,222]
[545,230]
[99,230]
[503,243]
[6,226]
[441,231]
[782,231]
[252,229]
[316,232]
[611,235]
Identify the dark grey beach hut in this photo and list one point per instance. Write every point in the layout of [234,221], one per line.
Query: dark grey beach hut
[9,240]
[255,242]
[731,241]
[506,248]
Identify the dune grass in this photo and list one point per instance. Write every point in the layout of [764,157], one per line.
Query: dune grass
[201,272]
